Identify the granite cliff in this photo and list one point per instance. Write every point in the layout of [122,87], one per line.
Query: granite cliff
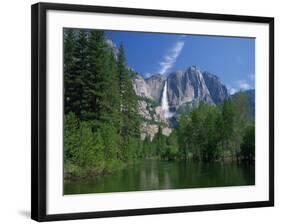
[184,90]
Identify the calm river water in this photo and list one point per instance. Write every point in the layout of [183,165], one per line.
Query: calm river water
[157,175]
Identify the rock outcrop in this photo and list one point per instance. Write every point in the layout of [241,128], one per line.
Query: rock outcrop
[185,90]
[187,87]
[217,90]
[151,87]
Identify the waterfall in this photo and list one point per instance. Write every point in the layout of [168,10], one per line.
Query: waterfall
[164,102]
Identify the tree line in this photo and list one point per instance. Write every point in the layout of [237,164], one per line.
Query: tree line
[101,121]
[209,133]
[224,132]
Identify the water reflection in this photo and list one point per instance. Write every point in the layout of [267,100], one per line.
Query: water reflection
[157,175]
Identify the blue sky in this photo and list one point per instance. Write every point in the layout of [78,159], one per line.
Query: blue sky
[232,59]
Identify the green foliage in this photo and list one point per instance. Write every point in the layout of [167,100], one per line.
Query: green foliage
[211,133]
[161,147]
[172,148]
[146,148]
[83,150]
[95,73]
[101,127]
[72,68]
[110,141]
[130,119]
[184,130]
[248,144]
[71,138]
[89,153]
[201,132]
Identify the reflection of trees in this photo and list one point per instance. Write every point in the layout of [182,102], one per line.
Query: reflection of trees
[159,175]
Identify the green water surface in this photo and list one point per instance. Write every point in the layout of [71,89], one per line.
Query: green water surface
[158,175]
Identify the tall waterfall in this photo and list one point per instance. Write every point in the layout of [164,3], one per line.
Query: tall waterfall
[164,102]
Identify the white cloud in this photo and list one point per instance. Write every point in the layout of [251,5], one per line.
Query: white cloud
[171,57]
[241,85]
[244,85]
[232,91]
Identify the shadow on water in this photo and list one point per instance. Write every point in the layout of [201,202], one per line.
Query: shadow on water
[160,175]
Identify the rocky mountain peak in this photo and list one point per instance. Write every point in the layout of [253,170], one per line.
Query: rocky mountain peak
[217,90]
[183,89]
[183,86]
[186,87]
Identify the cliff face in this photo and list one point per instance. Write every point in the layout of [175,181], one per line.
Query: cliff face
[186,87]
[185,90]
[217,90]
[151,88]
[182,87]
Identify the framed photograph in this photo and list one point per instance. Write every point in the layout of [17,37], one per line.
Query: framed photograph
[139,111]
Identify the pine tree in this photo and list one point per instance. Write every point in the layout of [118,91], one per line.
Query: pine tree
[101,86]
[80,72]
[113,113]
[128,99]
[129,122]
[93,88]
[71,86]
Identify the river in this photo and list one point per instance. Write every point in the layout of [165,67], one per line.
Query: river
[157,175]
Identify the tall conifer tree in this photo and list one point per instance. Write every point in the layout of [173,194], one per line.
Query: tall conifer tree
[71,87]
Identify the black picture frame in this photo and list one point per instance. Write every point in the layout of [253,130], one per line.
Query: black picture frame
[38,108]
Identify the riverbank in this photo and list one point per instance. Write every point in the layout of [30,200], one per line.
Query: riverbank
[76,173]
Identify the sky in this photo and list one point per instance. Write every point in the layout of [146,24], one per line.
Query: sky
[232,59]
